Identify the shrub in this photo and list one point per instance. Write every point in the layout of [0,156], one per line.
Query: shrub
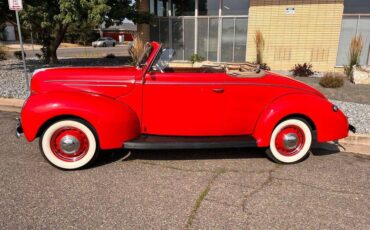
[264,66]
[260,46]
[18,54]
[304,70]
[332,80]
[2,54]
[355,50]
[196,58]
[110,56]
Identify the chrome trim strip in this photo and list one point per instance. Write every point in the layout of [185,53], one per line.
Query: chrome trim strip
[94,81]
[207,83]
[96,85]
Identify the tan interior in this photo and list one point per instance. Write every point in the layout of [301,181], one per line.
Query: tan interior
[243,70]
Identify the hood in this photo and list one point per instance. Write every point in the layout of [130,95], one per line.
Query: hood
[108,81]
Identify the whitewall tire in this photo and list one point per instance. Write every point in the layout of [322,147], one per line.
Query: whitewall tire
[290,141]
[69,144]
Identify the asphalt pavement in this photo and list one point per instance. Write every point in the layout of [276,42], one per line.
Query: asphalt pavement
[86,52]
[198,189]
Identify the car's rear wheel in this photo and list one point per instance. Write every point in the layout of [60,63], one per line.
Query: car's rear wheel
[290,142]
[104,45]
[69,144]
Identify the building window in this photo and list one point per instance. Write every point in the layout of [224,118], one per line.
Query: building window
[177,38]
[352,26]
[159,7]
[240,44]
[227,40]
[232,7]
[208,7]
[211,35]
[183,8]
[356,6]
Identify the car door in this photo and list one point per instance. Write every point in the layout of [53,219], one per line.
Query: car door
[182,104]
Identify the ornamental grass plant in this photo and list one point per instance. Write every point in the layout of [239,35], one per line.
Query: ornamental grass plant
[355,50]
[136,49]
[260,46]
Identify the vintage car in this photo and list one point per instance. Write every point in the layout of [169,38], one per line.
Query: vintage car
[76,112]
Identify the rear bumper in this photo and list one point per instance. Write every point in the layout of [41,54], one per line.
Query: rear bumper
[19,129]
[352,128]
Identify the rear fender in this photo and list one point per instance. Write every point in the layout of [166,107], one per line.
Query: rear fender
[113,121]
[329,125]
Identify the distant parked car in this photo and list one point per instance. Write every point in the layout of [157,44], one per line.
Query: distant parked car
[104,42]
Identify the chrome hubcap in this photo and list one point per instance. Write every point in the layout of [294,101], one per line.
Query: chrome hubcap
[290,141]
[69,144]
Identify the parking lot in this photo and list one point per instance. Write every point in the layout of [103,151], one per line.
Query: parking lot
[198,189]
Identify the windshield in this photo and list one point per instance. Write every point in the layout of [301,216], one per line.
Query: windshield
[144,57]
[163,59]
[101,39]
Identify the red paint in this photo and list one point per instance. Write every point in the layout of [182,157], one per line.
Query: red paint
[123,102]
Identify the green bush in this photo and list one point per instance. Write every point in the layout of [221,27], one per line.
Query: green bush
[304,70]
[2,54]
[332,80]
[18,54]
[196,58]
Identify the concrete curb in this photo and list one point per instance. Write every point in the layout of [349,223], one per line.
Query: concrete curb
[11,104]
[355,143]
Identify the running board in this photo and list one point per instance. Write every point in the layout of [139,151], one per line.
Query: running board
[146,142]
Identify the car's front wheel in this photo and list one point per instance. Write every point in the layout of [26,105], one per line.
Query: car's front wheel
[69,144]
[290,142]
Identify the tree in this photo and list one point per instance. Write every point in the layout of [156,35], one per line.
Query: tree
[6,15]
[51,19]
[121,9]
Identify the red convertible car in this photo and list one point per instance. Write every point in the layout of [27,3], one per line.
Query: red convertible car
[75,112]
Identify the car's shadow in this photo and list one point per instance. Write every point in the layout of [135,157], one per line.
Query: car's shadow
[110,156]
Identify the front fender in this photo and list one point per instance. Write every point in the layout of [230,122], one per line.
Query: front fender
[330,125]
[113,121]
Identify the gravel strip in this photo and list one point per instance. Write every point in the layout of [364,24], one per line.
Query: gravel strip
[358,115]
[12,80]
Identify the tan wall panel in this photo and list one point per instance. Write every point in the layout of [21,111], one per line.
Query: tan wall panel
[309,35]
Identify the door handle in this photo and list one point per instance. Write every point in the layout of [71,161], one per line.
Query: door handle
[218,90]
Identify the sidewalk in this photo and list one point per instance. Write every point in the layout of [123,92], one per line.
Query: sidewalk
[27,46]
[354,143]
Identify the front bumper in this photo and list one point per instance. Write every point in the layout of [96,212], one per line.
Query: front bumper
[19,129]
